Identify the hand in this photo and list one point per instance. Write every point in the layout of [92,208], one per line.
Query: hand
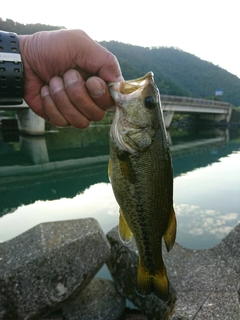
[65,75]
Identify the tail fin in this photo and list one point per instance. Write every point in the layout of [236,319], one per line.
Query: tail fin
[156,283]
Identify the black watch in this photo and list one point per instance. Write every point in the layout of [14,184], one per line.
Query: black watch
[11,70]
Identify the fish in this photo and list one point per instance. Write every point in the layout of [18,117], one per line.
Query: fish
[141,175]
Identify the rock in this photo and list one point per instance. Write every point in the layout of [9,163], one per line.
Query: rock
[99,300]
[48,264]
[56,315]
[134,314]
[207,282]
[122,265]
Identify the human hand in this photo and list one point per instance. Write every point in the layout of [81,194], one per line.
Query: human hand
[65,74]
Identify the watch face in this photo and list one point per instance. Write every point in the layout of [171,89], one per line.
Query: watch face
[11,57]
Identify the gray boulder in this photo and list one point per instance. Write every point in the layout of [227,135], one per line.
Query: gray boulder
[122,265]
[48,264]
[99,300]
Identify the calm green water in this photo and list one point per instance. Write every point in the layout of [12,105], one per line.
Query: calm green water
[63,175]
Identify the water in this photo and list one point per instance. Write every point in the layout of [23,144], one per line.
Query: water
[63,175]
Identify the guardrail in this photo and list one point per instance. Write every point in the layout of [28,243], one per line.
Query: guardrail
[166,99]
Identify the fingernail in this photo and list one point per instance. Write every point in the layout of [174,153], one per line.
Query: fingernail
[120,79]
[56,85]
[70,77]
[45,91]
[95,88]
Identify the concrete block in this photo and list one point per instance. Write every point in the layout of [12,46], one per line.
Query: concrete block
[207,282]
[122,265]
[43,267]
[99,300]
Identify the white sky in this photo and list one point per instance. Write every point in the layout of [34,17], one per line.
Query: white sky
[207,28]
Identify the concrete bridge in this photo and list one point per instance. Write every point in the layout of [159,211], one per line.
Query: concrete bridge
[204,109]
[30,123]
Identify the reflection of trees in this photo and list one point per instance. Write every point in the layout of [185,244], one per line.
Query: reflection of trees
[56,184]
[68,181]
[73,138]
[71,143]
[8,210]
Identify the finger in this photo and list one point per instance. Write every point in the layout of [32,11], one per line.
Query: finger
[110,69]
[51,112]
[98,90]
[105,65]
[79,96]
[61,99]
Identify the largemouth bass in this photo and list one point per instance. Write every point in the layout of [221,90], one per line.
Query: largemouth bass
[141,175]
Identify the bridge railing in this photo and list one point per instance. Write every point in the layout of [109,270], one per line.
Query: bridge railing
[166,99]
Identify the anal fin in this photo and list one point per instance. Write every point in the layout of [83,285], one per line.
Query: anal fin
[109,169]
[124,231]
[170,234]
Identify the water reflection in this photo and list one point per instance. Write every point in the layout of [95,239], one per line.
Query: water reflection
[34,148]
[96,201]
[64,176]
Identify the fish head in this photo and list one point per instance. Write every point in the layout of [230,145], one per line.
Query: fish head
[136,118]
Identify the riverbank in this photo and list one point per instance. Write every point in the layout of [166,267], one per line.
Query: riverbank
[52,267]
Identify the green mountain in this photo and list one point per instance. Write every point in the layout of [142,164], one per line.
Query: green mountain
[20,28]
[176,72]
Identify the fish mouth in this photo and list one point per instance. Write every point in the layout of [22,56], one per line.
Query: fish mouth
[132,85]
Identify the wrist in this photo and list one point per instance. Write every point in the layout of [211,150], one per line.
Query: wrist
[11,70]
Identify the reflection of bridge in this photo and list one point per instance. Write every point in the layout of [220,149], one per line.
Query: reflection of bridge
[212,110]
[42,179]
[28,121]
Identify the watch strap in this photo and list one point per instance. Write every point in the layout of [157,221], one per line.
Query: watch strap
[11,70]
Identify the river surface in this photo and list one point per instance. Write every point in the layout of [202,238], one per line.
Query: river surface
[63,175]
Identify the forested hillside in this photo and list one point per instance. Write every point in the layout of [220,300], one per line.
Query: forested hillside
[19,28]
[176,72]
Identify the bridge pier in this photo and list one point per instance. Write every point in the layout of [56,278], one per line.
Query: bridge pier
[30,123]
[168,115]
[216,117]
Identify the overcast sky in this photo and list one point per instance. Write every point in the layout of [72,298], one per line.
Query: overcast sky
[208,28]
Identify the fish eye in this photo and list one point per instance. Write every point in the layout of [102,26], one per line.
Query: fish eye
[150,103]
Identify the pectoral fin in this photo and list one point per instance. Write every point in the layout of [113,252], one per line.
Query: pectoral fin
[126,168]
[124,231]
[170,234]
